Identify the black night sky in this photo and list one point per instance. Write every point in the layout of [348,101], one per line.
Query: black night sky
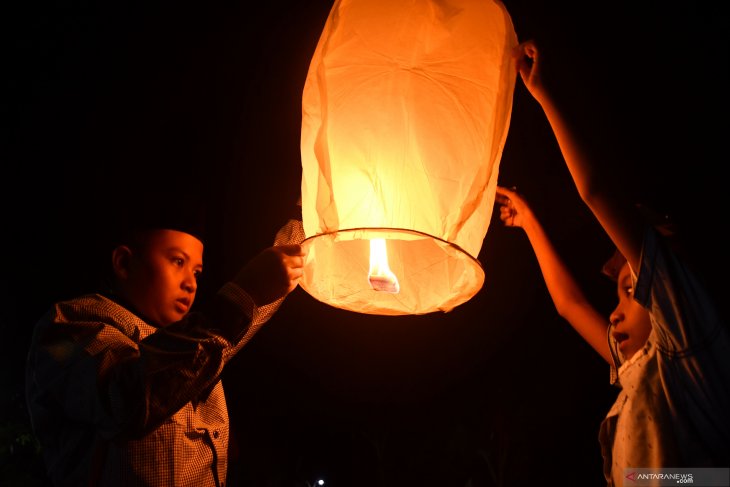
[200,104]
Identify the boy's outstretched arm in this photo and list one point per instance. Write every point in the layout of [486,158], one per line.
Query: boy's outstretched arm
[598,185]
[567,296]
[272,274]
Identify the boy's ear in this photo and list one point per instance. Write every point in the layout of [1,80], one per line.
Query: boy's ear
[121,257]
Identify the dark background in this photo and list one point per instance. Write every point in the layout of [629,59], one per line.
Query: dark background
[199,105]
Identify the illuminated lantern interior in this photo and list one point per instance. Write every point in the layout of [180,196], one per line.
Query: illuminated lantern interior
[405,112]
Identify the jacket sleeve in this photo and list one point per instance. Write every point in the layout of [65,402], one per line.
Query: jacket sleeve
[93,363]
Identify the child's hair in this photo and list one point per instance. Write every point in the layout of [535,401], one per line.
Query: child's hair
[612,267]
[660,221]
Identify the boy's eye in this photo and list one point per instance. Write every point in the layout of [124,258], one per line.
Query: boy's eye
[178,261]
[197,274]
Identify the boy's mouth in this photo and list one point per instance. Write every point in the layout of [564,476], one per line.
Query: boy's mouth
[182,305]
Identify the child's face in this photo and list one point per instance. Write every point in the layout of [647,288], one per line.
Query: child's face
[161,281]
[632,324]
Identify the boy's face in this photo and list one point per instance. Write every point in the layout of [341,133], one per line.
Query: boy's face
[632,324]
[160,281]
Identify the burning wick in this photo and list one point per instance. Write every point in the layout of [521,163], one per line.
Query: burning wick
[381,277]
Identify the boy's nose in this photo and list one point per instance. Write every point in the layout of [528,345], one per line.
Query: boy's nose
[190,284]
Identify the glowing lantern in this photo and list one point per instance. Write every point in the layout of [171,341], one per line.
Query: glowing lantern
[405,112]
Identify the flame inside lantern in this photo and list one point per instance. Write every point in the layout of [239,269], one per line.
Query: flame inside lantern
[381,278]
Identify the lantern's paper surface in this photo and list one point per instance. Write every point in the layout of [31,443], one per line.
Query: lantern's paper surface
[405,112]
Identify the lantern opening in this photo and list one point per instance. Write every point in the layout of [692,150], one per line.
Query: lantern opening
[380,276]
[432,274]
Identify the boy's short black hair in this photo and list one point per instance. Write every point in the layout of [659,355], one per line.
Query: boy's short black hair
[157,212]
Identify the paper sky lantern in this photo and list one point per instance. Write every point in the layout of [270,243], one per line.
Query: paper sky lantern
[405,112]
